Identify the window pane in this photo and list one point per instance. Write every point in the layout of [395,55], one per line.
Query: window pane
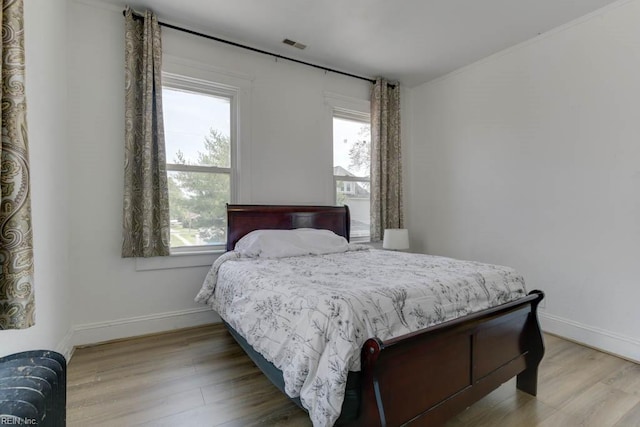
[352,157]
[197,128]
[351,147]
[197,203]
[355,194]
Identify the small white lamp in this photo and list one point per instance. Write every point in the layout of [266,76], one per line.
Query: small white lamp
[395,239]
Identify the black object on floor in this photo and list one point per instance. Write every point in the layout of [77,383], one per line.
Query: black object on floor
[33,389]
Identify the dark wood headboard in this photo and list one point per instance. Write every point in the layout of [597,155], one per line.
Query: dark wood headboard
[243,219]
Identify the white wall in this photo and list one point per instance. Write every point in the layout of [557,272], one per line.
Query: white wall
[287,159]
[531,158]
[45,37]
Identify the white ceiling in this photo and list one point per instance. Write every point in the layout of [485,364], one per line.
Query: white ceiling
[412,41]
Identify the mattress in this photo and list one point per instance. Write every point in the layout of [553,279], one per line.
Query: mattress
[310,315]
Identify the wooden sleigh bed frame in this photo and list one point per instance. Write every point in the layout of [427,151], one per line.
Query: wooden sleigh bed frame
[426,377]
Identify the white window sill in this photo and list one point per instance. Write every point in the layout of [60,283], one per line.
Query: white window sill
[179,260]
[374,245]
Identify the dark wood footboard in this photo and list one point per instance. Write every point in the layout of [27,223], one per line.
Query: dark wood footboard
[429,376]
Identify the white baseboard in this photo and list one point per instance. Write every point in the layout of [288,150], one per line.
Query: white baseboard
[92,333]
[609,342]
[65,347]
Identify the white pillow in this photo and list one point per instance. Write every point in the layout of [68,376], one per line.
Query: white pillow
[286,243]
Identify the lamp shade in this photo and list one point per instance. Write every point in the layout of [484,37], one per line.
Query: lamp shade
[396,239]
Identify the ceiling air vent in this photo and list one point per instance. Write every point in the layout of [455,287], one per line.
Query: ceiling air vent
[294,44]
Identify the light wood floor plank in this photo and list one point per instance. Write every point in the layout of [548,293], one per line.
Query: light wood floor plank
[201,377]
[631,418]
[505,407]
[600,405]
[627,378]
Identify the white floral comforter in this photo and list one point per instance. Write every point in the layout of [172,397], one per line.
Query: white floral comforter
[310,315]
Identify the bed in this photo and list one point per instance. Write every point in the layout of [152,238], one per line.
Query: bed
[421,377]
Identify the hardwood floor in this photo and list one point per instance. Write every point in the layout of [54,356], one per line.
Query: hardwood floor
[201,377]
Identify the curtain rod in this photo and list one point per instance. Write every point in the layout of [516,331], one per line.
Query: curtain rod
[253,49]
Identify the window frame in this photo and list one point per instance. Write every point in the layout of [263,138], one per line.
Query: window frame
[199,86]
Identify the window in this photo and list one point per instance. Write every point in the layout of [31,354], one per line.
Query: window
[200,147]
[351,166]
[348,187]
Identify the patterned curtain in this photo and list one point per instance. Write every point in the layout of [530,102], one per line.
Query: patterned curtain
[17,304]
[386,159]
[146,196]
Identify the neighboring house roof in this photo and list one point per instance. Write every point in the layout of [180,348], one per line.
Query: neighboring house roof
[339,170]
[360,192]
